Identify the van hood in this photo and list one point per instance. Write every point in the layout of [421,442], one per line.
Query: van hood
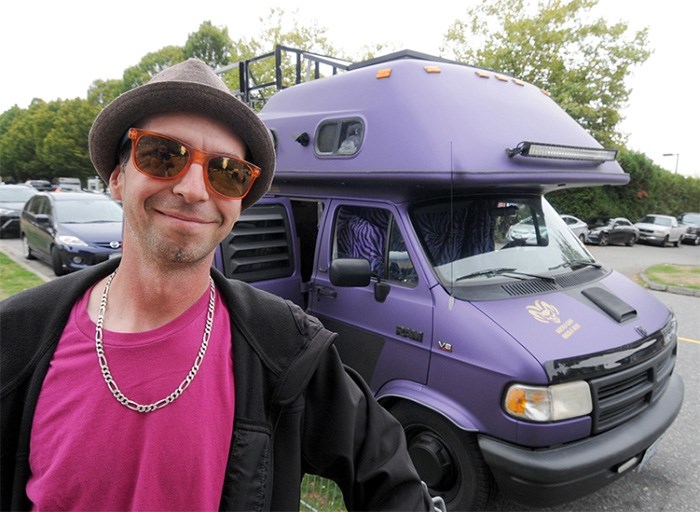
[597,317]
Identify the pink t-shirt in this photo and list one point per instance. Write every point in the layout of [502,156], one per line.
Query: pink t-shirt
[89,452]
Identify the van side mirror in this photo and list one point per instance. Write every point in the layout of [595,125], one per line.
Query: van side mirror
[350,272]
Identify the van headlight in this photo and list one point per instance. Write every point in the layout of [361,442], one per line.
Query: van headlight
[670,330]
[548,403]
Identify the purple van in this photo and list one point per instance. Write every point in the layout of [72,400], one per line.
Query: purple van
[408,213]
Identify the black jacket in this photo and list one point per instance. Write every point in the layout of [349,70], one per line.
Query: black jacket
[298,410]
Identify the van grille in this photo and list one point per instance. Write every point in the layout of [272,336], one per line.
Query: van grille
[259,246]
[620,396]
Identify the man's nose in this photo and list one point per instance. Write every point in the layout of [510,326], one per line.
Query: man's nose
[191,184]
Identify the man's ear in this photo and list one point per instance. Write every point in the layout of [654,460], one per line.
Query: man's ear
[116,182]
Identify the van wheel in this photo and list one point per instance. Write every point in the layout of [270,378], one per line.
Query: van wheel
[26,251]
[448,459]
[56,262]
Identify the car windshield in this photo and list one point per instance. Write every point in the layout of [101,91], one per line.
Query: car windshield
[691,218]
[653,219]
[15,194]
[491,239]
[88,211]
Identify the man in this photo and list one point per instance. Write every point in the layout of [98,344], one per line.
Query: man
[152,382]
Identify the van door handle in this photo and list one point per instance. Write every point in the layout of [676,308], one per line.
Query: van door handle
[326,292]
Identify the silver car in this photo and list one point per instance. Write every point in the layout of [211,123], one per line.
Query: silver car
[576,225]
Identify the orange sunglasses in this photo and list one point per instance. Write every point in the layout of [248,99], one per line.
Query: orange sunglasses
[165,158]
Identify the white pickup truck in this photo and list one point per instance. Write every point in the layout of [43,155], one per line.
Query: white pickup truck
[660,229]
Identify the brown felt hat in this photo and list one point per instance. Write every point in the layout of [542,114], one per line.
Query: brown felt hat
[190,86]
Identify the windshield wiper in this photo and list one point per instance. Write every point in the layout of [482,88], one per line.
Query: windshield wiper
[576,264]
[506,271]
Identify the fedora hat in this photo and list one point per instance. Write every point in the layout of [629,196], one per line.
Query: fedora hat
[190,86]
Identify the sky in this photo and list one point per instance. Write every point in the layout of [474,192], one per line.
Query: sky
[54,49]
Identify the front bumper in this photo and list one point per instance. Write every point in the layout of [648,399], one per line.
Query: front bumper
[551,476]
[690,237]
[9,225]
[654,239]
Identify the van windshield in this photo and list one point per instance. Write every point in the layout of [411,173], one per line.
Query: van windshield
[496,238]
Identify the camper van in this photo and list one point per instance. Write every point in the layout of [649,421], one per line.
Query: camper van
[516,363]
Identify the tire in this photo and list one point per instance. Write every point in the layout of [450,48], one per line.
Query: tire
[582,237]
[56,263]
[448,459]
[603,239]
[665,242]
[631,241]
[26,251]
[696,241]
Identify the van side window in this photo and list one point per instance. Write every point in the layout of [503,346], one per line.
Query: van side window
[339,137]
[373,234]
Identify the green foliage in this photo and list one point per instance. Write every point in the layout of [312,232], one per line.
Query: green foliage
[582,62]
[651,189]
[102,92]
[275,30]
[150,65]
[47,140]
[210,44]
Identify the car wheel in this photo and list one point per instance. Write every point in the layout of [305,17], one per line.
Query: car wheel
[26,251]
[447,459]
[677,243]
[696,241]
[582,237]
[56,262]
[665,241]
[631,241]
[603,239]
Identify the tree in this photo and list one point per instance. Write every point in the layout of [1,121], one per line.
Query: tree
[210,44]
[582,62]
[101,92]
[150,65]
[276,30]
[64,149]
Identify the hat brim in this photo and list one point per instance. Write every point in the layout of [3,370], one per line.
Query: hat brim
[182,96]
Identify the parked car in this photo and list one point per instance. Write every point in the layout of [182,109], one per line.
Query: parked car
[12,200]
[691,220]
[71,230]
[576,225]
[660,229]
[612,230]
[524,232]
[42,185]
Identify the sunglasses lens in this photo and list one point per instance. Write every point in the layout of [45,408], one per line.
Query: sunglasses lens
[231,177]
[160,157]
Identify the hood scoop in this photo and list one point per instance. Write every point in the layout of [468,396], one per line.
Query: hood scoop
[615,307]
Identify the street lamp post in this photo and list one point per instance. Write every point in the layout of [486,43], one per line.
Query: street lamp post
[676,155]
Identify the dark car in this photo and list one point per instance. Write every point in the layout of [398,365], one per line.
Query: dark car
[692,222]
[612,230]
[12,200]
[71,230]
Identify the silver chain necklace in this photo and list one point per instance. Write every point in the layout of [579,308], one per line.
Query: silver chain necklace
[102,359]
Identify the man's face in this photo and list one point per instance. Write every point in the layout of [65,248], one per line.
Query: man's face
[179,220]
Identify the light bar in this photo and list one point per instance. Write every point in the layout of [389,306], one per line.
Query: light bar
[540,150]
